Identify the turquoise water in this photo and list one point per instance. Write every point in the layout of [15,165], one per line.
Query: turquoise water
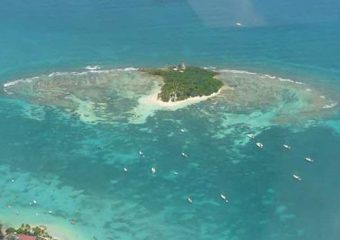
[74,170]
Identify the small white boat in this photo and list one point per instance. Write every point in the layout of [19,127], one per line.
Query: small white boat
[239,24]
[184,155]
[224,197]
[91,68]
[308,159]
[260,145]
[297,177]
[175,172]
[189,200]
[153,170]
[182,130]
[125,169]
[141,153]
[250,135]
[286,146]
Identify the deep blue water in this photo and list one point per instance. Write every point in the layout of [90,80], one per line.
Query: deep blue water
[74,169]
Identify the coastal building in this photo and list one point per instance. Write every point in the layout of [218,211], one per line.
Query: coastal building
[173,97]
[182,66]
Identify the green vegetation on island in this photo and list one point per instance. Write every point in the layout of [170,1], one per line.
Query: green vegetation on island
[24,232]
[181,82]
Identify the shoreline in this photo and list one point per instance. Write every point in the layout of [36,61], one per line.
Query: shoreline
[57,227]
[98,69]
[151,103]
[154,100]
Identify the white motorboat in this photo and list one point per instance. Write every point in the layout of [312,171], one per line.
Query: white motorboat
[286,146]
[260,145]
[297,177]
[153,170]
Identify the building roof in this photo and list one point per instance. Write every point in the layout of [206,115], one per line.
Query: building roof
[26,237]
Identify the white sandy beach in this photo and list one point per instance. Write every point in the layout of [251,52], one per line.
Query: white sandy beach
[149,104]
[153,100]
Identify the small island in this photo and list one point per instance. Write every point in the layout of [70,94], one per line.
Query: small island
[25,232]
[181,82]
[133,94]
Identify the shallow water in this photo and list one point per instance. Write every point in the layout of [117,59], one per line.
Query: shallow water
[74,168]
[118,95]
[84,181]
